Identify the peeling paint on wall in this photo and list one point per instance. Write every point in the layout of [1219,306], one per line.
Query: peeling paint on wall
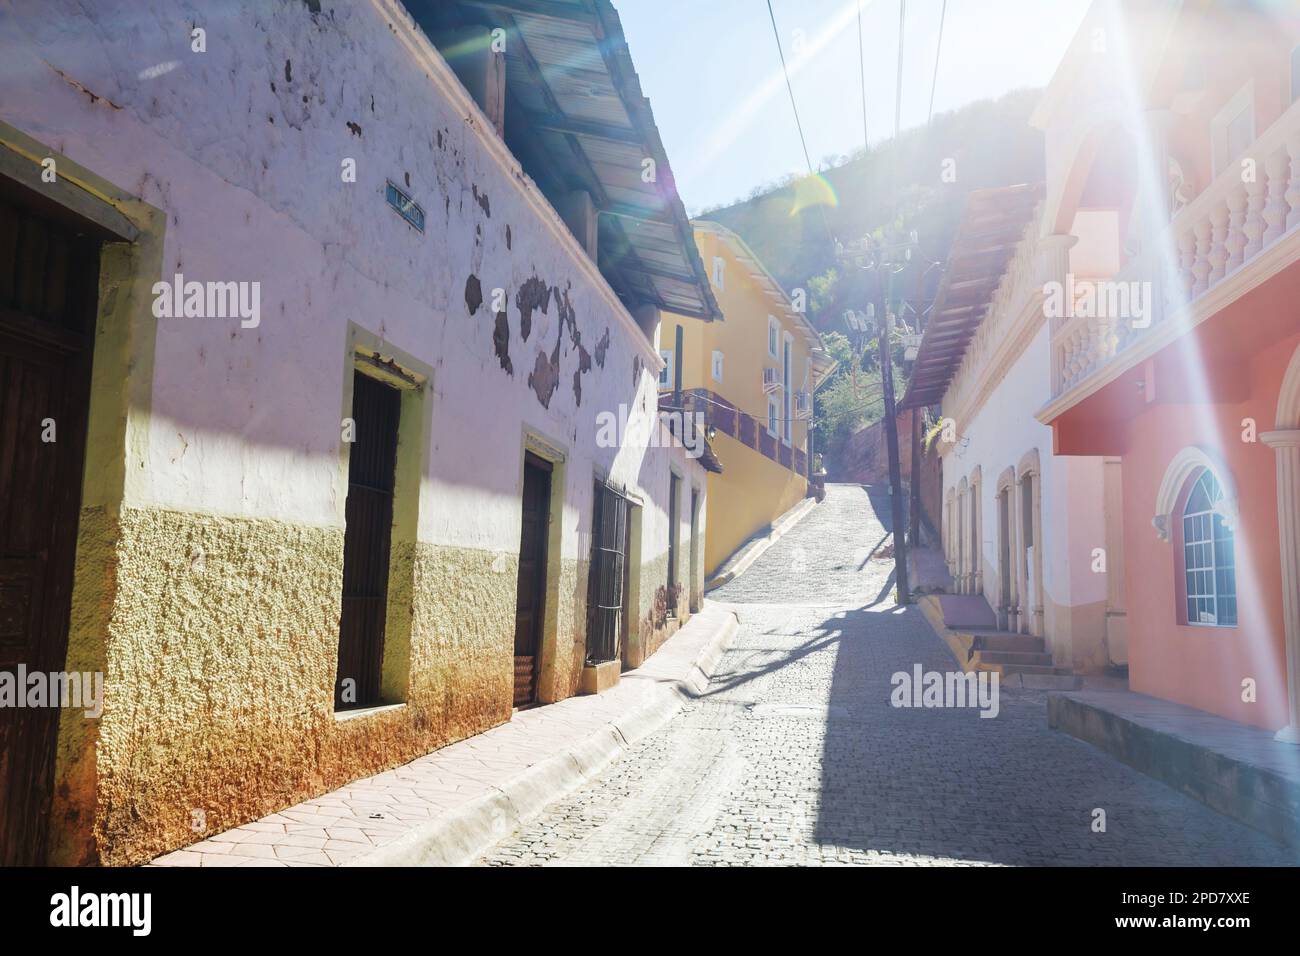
[602,347]
[473,293]
[545,376]
[533,294]
[584,366]
[501,342]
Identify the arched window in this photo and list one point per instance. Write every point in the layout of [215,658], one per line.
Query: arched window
[1209,555]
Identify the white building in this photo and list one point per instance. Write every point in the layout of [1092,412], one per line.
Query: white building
[352,521]
[1032,539]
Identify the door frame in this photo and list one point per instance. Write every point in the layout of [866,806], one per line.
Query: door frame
[553,667]
[1008,591]
[369,353]
[116,443]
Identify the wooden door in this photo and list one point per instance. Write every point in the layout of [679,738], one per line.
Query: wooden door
[372,462]
[673,529]
[1004,558]
[696,549]
[531,598]
[49,277]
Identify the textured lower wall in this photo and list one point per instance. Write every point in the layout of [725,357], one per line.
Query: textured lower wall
[1076,635]
[655,623]
[218,638]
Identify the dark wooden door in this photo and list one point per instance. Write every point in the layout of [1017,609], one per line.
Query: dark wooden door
[1004,556]
[531,599]
[49,278]
[673,529]
[372,460]
[696,550]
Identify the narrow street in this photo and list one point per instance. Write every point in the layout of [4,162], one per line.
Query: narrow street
[795,756]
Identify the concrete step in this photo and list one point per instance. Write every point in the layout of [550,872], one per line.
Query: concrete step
[963,611]
[1035,669]
[1008,641]
[1017,659]
[1040,669]
[1043,681]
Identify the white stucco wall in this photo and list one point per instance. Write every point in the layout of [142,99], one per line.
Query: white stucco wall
[242,146]
[1001,433]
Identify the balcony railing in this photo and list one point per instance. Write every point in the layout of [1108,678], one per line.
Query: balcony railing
[1245,212]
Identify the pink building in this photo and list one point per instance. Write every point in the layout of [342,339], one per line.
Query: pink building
[1173,147]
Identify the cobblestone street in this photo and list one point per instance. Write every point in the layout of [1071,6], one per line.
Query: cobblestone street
[795,756]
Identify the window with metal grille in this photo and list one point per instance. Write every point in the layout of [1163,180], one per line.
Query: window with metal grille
[1209,557]
[606,585]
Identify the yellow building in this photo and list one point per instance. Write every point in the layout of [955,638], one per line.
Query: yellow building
[752,376]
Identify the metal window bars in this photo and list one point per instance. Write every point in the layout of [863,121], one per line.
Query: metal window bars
[607,580]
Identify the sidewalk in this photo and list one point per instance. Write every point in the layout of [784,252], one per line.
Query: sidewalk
[743,557]
[448,806]
[1238,770]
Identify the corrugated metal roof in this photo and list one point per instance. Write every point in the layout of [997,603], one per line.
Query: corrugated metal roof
[571,85]
[992,224]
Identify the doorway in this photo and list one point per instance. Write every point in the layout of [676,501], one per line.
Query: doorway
[49,281]
[367,539]
[531,598]
[674,531]
[693,604]
[1004,559]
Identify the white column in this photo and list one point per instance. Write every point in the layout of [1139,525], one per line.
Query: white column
[1286,446]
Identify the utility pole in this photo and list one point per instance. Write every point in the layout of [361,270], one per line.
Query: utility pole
[870,256]
[914,512]
[890,424]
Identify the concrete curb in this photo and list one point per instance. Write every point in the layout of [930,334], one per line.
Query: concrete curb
[754,549]
[455,838]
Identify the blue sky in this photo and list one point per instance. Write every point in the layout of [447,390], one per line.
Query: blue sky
[711,70]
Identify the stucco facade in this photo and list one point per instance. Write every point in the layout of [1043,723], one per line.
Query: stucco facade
[212,527]
[1039,574]
[1189,164]
[763,430]
[1032,534]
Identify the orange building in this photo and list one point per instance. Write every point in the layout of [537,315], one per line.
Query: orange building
[1173,137]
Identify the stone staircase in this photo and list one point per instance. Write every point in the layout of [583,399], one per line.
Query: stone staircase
[967,624]
[1011,654]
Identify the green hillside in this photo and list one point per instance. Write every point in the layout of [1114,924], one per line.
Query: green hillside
[989,143]
[887,191]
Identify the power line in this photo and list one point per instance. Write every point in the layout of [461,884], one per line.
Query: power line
[797,122]
[934,81]
[862,77]
[790,89]
[898,82]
